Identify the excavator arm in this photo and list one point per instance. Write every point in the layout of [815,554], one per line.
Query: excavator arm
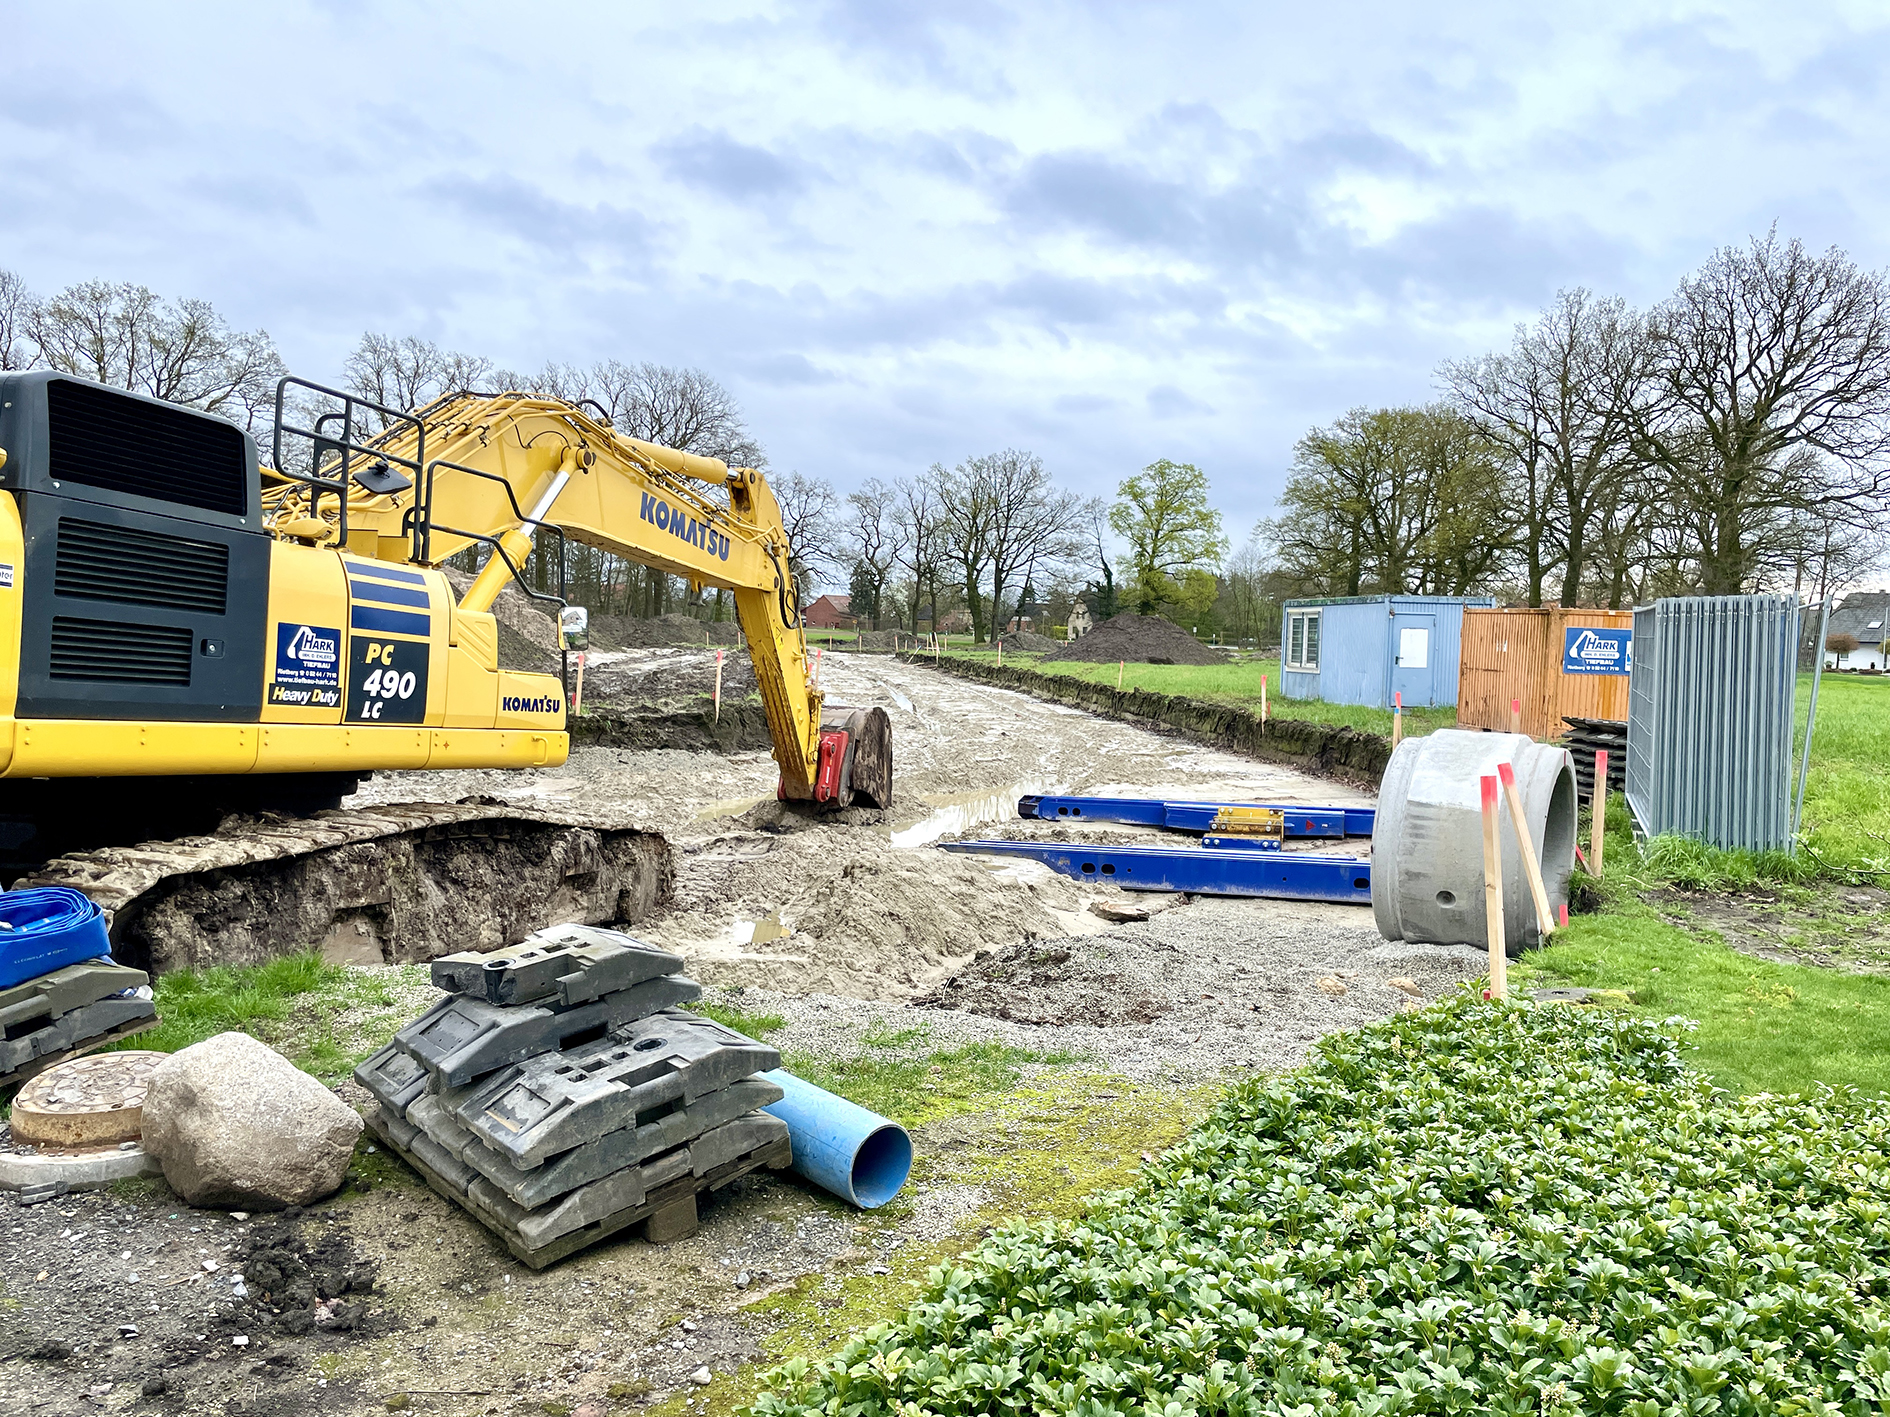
[492,469]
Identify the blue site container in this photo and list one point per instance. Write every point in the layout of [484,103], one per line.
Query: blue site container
[1362,649]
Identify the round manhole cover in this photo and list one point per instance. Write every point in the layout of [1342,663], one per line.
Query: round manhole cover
[92,1101]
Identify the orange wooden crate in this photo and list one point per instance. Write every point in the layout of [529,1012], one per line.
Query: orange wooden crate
[1517,654]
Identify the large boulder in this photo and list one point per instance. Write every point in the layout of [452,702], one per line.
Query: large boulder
[235,1124]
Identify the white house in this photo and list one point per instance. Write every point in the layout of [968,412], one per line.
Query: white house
[1861,616]
[1080,623]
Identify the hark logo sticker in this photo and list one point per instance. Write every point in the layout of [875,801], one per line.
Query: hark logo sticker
[308,656]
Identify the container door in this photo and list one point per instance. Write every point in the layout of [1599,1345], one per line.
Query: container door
[1412,660]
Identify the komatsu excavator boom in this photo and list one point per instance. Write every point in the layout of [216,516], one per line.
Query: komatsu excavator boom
[183,629]
[478,469]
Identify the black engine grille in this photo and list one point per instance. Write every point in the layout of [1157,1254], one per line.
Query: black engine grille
[121,563]
[110,651]
[119,444]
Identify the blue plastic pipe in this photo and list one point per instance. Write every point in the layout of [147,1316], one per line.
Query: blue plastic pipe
[43,928]
[856,1154]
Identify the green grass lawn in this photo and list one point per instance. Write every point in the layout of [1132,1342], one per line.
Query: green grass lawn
[1236,682]
[1847,796]
[1765,1025]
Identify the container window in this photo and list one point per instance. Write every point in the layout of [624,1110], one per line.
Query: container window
[1302,639]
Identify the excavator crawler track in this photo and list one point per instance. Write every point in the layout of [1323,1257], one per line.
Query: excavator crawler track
[391,884]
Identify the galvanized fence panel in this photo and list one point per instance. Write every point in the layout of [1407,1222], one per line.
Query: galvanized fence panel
[1710,719]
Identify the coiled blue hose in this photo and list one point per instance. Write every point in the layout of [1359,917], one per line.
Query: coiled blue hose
[43,928]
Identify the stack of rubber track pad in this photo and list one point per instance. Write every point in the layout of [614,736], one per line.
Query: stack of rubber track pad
[559,1095]
[83,1005]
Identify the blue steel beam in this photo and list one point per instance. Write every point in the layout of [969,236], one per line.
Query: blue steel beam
[1282,875]
[1194,816]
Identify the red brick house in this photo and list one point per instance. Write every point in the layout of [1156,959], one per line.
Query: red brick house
[830,612]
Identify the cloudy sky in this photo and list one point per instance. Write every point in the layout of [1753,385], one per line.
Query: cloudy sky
[905,233]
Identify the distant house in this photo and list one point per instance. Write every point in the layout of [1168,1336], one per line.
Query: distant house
[1861,616]
[1029,616]
[1080,622]
[830,612]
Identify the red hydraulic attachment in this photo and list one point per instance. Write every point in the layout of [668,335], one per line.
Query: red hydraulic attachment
[828,767]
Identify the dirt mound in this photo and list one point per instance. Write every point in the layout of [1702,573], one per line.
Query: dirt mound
[1048,982]
[888,923]
[528,634]
[670,678]
[1139,639]
[1026,642]
[629,632]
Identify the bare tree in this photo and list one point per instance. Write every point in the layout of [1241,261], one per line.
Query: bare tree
[409,373]
[181,350]
[1001,518]
[1771,397]
[919,548]
[1559,406]
[809,515]
[17,304]
[870,533]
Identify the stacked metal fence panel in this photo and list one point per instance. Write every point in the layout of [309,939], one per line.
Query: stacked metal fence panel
[1710,719]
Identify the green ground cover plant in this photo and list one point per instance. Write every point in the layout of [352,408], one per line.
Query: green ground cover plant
[1476,1208]
[1764,1024]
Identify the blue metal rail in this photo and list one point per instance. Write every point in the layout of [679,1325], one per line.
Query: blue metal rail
[1194,816]
[1282,875]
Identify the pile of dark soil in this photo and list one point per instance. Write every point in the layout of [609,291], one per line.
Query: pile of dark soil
[1027,642]
[1139,639]
[1047,982]
[628,632]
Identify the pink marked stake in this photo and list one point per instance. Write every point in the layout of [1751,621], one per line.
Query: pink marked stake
[1598,813]
[718,686]
[1525,844]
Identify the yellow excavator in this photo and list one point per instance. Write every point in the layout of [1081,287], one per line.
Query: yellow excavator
[185,633]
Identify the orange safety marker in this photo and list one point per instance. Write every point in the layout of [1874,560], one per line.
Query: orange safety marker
[1532,868]
[1119,664]
[1598,813]
[718,686]
[1493,893]
[577,696]
[1397,719]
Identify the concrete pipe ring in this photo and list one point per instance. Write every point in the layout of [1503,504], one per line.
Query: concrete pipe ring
[1427,843]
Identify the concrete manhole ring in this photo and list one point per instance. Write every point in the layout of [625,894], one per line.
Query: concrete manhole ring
[86,1102]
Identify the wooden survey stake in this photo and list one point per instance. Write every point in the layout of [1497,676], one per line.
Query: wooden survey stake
[1493,893]
[1397,720]
[718,686]
[1532,868]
